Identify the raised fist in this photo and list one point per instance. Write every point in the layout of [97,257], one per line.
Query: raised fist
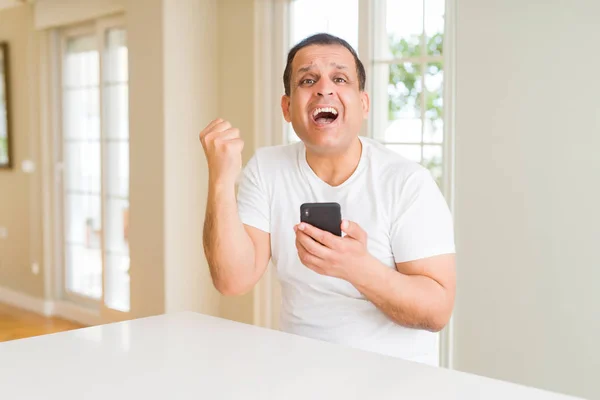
[223,148]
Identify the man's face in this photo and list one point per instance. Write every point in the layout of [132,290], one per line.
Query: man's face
[325,106]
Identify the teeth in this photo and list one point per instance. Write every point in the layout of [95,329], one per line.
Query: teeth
[324,109]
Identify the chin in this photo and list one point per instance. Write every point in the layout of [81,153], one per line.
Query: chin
[323,141]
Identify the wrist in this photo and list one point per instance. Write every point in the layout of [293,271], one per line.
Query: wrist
[221,185]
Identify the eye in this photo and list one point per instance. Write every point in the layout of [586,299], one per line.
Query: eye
[308,81]
[340,80]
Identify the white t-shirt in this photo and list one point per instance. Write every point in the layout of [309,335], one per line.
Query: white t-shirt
[396,202]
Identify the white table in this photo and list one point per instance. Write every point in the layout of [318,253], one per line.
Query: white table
[193,356]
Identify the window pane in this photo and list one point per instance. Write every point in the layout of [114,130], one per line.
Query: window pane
[337,17]
[117,174]
[116,147]
[81,112]
[84,271]
[434,100]
[117,282]
[117,225]
[116,56]
[80,66]
[82,166]
[117,255]
[116,88]
[432,160]
[434,26]
[82,223]
[82,248]
[402,102]
[404,91]
[409,151]
[116,106]
[404,29]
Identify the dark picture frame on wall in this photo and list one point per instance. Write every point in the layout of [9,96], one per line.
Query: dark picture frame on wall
[5,112]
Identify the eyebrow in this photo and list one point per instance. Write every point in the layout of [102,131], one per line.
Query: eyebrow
[312,66]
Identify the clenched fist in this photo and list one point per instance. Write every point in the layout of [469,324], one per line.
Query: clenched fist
[223,148]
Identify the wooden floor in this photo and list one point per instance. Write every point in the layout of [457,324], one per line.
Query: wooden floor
[17,324]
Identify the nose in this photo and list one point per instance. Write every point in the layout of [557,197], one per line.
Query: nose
[324,88]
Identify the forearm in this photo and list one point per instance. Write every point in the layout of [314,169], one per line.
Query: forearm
[413,301]
[228,248]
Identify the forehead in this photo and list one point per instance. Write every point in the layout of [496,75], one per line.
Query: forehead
[324,56]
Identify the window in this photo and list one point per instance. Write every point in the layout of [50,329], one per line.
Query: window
[95,163]
[404,58]
[407,79]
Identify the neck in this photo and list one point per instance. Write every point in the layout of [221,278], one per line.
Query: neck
[335,168]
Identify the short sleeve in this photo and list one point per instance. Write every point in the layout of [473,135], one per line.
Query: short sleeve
[252,197]
[422,224]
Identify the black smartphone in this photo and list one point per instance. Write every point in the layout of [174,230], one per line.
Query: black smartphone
[325,216]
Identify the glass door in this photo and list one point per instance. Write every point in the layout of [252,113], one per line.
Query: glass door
[94,155]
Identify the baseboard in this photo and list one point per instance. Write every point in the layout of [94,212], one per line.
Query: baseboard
[48,308]
[76,313]
[25,301]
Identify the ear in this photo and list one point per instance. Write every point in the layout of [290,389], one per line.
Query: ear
[285,107]
[366,103]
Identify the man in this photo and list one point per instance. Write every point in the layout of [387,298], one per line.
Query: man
[388,283]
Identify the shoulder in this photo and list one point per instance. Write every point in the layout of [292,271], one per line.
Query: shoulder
[276,155]
[268,160]
[405,181]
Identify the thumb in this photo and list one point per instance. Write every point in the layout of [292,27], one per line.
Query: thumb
[353,230]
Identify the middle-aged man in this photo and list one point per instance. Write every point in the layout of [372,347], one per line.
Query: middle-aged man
[388,284]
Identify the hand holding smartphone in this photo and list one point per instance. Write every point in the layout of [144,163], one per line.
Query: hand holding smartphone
[325,216]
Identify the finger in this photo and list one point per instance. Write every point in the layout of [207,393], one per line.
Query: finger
[231,133]
[213,123]
[310,260]
[326,238]
[353,230]
[235,145]
[210,126]
[221,126]
[313,247]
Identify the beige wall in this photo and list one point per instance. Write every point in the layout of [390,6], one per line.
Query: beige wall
[56,13]
[236,101]
[20,205]
[191,80]
[147,173]
[527,193]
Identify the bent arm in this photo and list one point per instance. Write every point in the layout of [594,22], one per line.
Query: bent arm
[419,294]
[237,254]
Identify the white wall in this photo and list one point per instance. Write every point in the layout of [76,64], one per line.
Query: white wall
[528,193]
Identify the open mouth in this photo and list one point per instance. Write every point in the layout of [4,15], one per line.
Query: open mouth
[324,115]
